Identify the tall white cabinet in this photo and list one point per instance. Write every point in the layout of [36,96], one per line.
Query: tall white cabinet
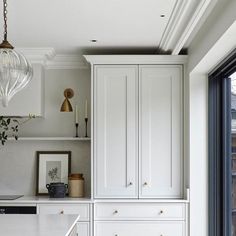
[137,145]
[138,131]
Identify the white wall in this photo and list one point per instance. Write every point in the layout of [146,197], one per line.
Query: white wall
[18,158]
[212,43]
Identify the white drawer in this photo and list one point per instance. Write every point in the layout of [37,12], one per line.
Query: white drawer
[132,228]
[139,211]
[69,209]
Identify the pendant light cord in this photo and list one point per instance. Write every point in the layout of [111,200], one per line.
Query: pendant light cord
[5,19]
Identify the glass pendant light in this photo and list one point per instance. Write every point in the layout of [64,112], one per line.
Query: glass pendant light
[15,70]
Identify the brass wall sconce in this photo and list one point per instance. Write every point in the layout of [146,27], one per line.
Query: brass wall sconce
[66,105]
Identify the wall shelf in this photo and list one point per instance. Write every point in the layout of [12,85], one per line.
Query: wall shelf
[51,139]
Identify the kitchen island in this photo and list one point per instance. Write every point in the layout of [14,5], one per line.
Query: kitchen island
[38,225]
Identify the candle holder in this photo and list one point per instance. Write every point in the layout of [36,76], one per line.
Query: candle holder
[76,130]
[86,127]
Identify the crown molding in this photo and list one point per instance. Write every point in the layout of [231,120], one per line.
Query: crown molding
[50,60]
[37,55]
[183,21]
[63,61]
[136,59]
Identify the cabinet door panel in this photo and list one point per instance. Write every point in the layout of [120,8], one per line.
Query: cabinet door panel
[160,131]
[115,131]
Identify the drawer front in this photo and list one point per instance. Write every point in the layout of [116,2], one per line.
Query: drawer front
[142,211]
[83,229]
[70,209]
[174,228]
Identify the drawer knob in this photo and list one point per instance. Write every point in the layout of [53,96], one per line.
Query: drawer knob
[62,212]
[115,212]
[130,183]
[161,212]
[145,184]
[116,234]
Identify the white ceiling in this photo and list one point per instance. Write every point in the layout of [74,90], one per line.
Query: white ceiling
[69,25]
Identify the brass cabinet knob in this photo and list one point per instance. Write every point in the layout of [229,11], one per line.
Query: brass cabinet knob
[115,212]
[130,183]
[62,212]
[161,212]
[145,184]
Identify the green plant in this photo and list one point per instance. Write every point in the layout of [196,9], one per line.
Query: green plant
[9,126]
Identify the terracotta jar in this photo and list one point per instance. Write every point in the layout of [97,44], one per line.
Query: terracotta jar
[76,185]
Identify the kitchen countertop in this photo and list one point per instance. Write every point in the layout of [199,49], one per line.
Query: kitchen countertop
[33,200]
[37,225]
[44,199]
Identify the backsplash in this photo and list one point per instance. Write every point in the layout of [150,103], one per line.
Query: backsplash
[18,163]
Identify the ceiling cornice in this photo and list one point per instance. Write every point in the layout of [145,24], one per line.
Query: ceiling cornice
[183,21]
[38,55]
[50,60]
[62,61]
[136,59]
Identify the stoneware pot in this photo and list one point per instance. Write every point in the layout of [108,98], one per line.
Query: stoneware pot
[57,190]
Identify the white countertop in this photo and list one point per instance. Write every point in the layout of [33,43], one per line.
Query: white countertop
[37,225]
[44,199]
[33,200]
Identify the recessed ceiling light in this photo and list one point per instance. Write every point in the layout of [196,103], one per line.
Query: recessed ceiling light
[162,15]
[93,40]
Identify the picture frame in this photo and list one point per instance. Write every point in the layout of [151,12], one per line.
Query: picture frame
[52,166]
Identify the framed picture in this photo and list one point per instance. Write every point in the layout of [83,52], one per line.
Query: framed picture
[52,167]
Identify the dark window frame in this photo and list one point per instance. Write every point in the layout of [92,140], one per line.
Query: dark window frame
[219,141]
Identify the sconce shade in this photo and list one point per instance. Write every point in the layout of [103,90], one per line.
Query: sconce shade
[66,106]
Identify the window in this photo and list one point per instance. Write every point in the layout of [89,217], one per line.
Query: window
[222,156]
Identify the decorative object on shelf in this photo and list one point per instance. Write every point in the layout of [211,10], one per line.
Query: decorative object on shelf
[15,71]
[86,118]
[76,185]
[9,127]
[66,105]
[52,167]
[57,190]
[76,121]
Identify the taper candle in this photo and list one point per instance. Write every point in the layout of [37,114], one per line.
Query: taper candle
[86,109]
[76,115]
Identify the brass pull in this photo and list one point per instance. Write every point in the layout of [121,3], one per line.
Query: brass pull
[115,212]
[62,212]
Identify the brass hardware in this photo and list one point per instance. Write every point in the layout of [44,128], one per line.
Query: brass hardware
[66,105]
[161,212]
[130,183]
[115,212]
[145,184]
[62,212]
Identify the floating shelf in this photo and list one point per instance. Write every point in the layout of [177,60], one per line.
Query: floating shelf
[51,139]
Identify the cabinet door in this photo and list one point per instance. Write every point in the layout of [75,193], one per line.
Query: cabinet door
[160,131]
[115,131]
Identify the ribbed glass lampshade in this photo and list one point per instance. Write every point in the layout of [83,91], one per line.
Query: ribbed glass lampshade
[15,74]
